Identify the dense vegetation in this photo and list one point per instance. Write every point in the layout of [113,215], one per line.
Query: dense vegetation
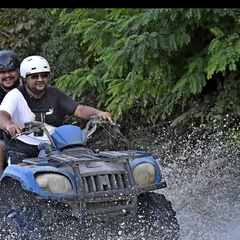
[147,66]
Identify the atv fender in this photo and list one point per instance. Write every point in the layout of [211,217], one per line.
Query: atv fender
[25,175]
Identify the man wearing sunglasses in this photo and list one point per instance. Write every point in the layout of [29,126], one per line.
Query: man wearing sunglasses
[36,100]
[9,79]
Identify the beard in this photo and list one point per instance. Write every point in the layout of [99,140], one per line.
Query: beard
[34,90]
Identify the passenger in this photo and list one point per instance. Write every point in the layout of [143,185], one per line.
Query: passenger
[9,78]
[36,100]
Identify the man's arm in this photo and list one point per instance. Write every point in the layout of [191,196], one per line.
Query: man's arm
[86,112]
[7,125]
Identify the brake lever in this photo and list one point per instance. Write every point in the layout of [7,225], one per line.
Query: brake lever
[22,133]
[30,127]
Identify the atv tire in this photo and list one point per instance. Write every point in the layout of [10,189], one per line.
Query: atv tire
[21,224]
[18,219]
[24,217]
[156,219]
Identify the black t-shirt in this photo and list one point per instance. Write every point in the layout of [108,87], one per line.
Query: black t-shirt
[54,105]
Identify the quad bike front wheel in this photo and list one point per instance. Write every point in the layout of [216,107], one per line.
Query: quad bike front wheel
[155,220]
[156,214]
[18,218]
[21,224]
[24,217]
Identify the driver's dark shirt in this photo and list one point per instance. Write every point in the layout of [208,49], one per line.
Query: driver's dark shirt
[52,107]
[54,103]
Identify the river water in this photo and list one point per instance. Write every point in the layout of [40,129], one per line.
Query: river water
[203,181]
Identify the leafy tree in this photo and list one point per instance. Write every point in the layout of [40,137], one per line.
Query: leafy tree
[160,63]
[62,51]
[16,30]
[148,64]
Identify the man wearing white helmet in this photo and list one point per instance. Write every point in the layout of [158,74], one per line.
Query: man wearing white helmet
[36,100]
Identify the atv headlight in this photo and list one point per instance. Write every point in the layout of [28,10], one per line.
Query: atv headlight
[54,182]
[144,174]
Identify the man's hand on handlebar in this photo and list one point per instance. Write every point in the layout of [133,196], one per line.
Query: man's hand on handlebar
[14,130]
[106,116]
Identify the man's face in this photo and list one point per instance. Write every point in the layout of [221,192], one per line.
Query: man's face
[9,79]
[37,82]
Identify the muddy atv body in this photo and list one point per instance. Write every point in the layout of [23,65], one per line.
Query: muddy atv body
[70,188]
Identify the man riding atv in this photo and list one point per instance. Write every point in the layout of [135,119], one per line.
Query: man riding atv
[35,100]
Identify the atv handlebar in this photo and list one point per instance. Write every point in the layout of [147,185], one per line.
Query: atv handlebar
[35,127]
[38,128]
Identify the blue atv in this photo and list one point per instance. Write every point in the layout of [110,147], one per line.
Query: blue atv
[72,190]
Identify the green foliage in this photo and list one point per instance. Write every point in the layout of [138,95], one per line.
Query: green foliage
[225,53]
[16,30]
[161,63]
[193,80]
[62,52]
[158,60]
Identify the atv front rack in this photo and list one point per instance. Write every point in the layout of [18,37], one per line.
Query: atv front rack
[66,159]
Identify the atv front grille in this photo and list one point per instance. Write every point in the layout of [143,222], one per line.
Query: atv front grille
[105,182]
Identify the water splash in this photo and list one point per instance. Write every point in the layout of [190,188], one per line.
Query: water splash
[203,176]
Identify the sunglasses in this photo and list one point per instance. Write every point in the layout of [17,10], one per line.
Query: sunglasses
[36,76]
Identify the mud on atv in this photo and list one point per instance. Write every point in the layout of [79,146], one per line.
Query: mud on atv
[71,190]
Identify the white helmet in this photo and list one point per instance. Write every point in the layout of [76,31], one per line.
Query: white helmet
[34,64]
